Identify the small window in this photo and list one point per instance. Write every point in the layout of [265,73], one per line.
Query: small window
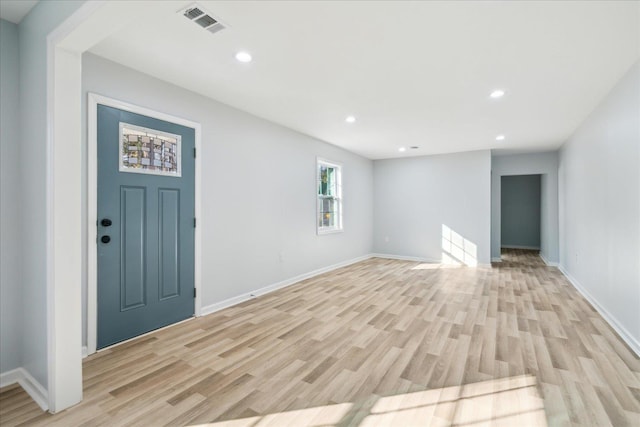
[329,189]
[149,151]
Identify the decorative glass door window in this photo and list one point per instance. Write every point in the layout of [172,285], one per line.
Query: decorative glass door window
[329,202]
[149,151]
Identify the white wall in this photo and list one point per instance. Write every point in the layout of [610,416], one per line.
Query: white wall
[10,224]
[600,199]
[545,164]
[415,197]
[258,195]
[32,34]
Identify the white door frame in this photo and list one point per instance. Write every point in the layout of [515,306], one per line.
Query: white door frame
[63,213]
[92,204]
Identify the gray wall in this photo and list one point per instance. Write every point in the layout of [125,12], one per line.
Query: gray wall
[520,211]
[600,200]
[10,243]
[415,197]
[258,195]
[545,164]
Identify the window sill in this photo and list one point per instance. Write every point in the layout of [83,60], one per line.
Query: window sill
[332,231]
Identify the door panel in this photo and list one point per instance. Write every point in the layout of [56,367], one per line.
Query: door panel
[132,247]
[146,260]
[169,208]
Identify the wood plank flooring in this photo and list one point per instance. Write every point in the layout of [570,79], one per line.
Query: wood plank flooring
[381,342]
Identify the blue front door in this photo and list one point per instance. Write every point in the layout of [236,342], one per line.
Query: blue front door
[146,204]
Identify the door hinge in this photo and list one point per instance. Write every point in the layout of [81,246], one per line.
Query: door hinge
[194,292]
[194,223]
[194,152]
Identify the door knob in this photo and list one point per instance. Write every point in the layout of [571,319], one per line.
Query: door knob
[106,222]
[105,239]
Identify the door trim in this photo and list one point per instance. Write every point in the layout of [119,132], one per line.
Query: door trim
[92,205]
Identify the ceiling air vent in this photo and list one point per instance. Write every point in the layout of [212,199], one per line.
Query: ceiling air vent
[198,15]
[206,21]
[193,13]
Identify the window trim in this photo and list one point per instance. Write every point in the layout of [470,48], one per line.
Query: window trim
[339,198]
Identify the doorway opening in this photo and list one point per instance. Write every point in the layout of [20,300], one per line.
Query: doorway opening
[520,212]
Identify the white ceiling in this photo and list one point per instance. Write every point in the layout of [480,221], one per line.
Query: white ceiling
[412,73]
[15,10]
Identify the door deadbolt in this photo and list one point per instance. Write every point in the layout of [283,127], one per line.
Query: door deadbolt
[106,222]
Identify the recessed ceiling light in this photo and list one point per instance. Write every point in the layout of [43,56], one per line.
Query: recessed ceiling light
[500,138]
[498,93]
[243,56]
[350,119]
[402,149]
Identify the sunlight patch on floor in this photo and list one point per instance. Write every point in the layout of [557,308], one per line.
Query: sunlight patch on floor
[505,401]
[508,401]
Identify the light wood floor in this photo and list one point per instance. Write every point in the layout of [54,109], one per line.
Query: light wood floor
[381,342]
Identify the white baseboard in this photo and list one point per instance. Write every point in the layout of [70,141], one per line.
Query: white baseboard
[10,377]
[546,261]
[283,284]
[631,341]
[29,384]
[496,259]
[85,351]
[407,258]
[533,248]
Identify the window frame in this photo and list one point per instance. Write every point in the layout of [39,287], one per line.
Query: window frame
[339,228]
